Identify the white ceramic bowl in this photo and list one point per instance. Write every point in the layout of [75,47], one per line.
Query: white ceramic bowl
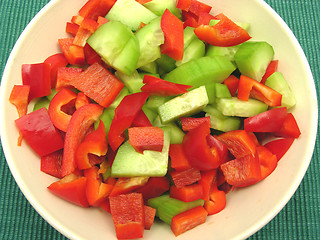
[247,209]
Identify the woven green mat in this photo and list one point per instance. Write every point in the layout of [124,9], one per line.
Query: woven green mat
[300,219]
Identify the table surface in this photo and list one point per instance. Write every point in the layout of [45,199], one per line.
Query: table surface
[299,219]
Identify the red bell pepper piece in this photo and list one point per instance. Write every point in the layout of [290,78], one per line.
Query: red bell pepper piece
[205,18]
[80,122]
[250,87]
[74,54]
[222,149]
[190,21]
[101,21]
[95,8]
[268,161]
[127,212]
[59,118]
[96,191]
[184,4]
[127,185]
[225,33]
[81,100]
[56,60]
[91,55]
[289,128]
[179,160]
[19,97]
[94,143]
[187,220]
[172,28]
[71,188]
[189,123]
[242,171]
[39,132]
[105,205]
[232,83]
[65,75]
[185,177]
[158,86]
[141,120]
[272,67]
[51,164]
[98,84]
[154,187]
[268,121]
[187,193]
[217,201]
[125,113]
[238,142]
[206,181]
[146,138]
[72,28]
[197,151]
[38,77]
[197,7]
[279,146]
[149,215]
[80,39]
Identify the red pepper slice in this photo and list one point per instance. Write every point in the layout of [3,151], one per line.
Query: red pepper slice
[154,187]
[71,188]
[39,132]
[56,60]
[289,128]
[187,193]
[268,121]
[127,212]
[127,185]
[81,100]
[79,124]
[146,138]
[242,171]
[189,123]
[172,28]
[206,181]
[217,201]
[197,7]
[141,120]
[238,142]
[94,8]
[179,160]
[279,146]
[98,84]
[125,113]
[94,143]
[222,149]
[74,54]
[187,220]
[225,33]
[91,55]
[272,67]
[158,86]
[51,163]
[65,75]
[196,149]
[38,77]
[72,28]
[184,4]
[268,161]
[232,83]
[149,216]
[205,18]
[250,87]
[59,118]
[185,177]
[190,20]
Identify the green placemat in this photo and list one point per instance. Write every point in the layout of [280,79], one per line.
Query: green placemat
[300,219]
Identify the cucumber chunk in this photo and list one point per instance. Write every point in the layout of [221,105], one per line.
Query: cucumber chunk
[186,104]
[277,82]
[133,82]
[42,102]
[227,52]
[201,71]
[130,13]
[195,49]
[253,58]
[176,134]
[159,6]
[222,91]
[130,163]
[235,107]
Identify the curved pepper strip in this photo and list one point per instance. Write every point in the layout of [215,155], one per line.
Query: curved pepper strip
[125,113]
[94,143]
[80,122]
[217,201]
[59,118]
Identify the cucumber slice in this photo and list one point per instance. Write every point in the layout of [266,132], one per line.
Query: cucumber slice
[277,82]
[165,64]
[133,82]
[235,107]
[253,58]
[227,52]
[196,49]
[130,163]
[158,201]
[186,104]
[201,71]
[221,122]
[154,102]
[222,91]
[151,115]
[159,6]
[150,38]
[130,13]
[211,91]
[106,117]
[42,102]
[151,67]
[176,134]
[244,25]
[188,36]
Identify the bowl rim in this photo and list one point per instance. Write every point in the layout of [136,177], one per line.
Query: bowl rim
[50,219]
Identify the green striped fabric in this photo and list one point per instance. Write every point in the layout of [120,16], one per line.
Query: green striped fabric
[300,219]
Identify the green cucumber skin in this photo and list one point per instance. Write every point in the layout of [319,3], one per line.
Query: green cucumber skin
[253,58]
[222,91]
[238,108]
[133,82]
[227,52]
[277,82]
[186,104]
[195,50]
[159,6]
[201,71]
